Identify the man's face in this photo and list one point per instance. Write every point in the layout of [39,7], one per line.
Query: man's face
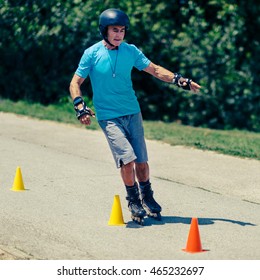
[116,34]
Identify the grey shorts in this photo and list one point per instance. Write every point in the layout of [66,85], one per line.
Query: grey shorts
[125,136]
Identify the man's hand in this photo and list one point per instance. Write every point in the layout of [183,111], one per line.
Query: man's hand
[83,113]
[185,83]
[85,119]
[194,87]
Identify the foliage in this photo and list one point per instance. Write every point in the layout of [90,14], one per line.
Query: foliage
[214,42]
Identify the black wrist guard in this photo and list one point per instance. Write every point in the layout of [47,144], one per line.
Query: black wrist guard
[82,111]
[178,80]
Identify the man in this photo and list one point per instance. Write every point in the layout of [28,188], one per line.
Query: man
[109,64]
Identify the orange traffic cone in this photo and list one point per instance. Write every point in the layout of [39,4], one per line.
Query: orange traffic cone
[193,243]
[116,216]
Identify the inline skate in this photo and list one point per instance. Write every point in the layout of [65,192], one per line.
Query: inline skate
[152,208]
[134,204]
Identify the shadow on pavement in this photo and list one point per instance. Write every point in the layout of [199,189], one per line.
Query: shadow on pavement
[185,220]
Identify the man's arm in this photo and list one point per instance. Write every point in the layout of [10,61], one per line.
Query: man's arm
[167,76]
[75,84]
[160,72]
[75,92]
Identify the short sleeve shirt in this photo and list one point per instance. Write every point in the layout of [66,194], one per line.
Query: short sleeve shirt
[110,75]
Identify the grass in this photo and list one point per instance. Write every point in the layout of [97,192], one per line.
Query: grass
[231,142]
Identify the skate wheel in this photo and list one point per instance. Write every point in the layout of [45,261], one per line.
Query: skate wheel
[156,216]
[138,220]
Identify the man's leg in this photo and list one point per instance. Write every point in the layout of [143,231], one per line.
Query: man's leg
[128,173]
[148,201]
[142,171]
[133,195]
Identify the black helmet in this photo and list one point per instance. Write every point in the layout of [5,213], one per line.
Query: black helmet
[112,17]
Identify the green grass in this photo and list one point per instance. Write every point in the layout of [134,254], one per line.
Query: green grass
[231,142]
[63,112]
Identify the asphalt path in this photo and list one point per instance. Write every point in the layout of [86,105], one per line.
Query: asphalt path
[71,179]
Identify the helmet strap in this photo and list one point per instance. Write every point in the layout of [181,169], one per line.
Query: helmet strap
[105,38]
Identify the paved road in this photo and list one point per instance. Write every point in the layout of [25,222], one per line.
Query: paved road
[71,181]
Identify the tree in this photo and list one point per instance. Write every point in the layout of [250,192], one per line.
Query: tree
[215,42]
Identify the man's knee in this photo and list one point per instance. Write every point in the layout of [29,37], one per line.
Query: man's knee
[142,171]
[128,166]
[142,167]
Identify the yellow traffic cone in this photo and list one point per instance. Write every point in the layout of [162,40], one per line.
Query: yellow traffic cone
[18,184]
[116,216]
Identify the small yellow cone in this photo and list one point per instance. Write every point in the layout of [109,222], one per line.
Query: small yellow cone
[18,184]
[116,216]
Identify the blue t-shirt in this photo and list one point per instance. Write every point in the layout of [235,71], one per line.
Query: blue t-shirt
[110,75]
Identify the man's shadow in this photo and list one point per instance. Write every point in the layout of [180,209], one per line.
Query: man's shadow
[148,221]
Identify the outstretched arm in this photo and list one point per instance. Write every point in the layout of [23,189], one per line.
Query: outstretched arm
[167,76]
